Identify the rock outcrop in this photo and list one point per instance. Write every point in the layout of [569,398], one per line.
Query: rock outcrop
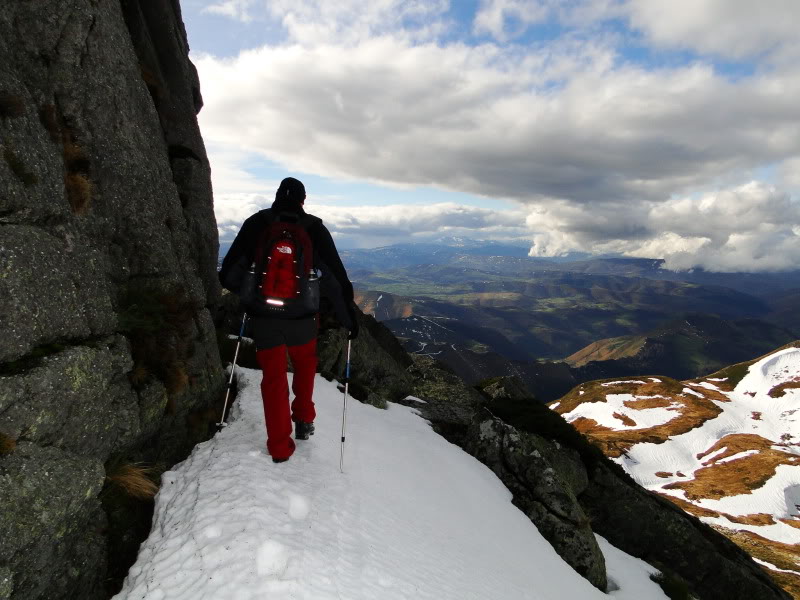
[378,363]
[570,489]
[545,480]
[108,249]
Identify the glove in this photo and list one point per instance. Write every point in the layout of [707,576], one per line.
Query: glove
[354,331]
[354,327]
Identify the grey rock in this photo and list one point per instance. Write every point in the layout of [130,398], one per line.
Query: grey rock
[521,462]
[161,45]
[105,193]
[51,288]
[49,497]
[506,387]
[95,412]
[449,403]
[6,583]
[378,364]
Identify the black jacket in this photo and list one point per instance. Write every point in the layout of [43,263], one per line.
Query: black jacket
[335,285]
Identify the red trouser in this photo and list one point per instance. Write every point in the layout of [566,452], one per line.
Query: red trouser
[275,393]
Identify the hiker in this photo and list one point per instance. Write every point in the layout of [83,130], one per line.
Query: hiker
[278,325]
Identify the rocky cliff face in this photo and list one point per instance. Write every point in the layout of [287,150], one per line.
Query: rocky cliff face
[108,251]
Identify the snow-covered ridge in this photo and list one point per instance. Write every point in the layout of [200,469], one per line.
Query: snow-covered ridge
[732,452]
[412,517]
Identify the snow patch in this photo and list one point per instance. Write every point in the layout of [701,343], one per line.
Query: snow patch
[415,399]
[299,507]
[770,371]
[715,453]
[608,413]
[706,385]
[736,456]
[772,567]
[412,516]
[628,577]
[272,558]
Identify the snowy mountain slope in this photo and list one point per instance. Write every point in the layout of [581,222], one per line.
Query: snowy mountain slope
[725,447]
[412,517]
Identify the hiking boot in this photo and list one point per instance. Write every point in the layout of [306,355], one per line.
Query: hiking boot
[302,431]
[280,460]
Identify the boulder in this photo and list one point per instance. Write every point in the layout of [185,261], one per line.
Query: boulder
[448,402]
[531,468]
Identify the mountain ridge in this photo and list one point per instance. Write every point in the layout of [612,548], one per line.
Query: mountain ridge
[723,447]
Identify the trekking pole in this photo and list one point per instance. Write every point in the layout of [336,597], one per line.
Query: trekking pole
[222,422]
[344,406]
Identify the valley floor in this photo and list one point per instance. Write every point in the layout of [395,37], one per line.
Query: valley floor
[412,516]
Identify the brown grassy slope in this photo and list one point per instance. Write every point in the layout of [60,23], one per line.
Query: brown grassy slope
[607,349]
[698,511]
[780,390]
[692,411]
[740,476]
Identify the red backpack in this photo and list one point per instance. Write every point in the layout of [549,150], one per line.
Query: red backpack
[283,282]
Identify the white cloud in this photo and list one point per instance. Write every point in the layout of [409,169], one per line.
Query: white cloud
[369,226]
[790,173]
[748,227]
[729,29]
[596,147]
[347,22]
[229,174]
[239,10]
[231,210]
[474,120]
[733,29]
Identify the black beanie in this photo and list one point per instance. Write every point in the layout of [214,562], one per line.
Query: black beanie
[291,189]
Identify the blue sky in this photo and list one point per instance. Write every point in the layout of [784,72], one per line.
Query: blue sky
[581,125]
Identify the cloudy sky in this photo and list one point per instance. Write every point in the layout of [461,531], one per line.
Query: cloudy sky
[640,127]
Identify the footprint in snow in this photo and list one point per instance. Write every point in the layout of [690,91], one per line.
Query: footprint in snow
[272,558]
[299,507]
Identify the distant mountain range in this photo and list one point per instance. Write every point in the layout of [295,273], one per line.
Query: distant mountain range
[725,447]
[488,309]
[505,259]
[552,314]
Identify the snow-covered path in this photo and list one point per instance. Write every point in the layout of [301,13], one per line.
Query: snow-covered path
[412,517]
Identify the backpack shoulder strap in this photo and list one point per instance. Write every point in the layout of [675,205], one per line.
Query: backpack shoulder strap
[266,216]
[309,221]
